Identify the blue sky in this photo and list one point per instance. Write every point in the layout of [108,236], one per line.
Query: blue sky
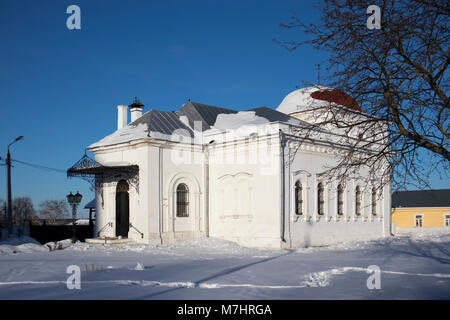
[59,88]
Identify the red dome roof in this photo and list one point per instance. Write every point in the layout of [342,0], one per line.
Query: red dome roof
[336,96]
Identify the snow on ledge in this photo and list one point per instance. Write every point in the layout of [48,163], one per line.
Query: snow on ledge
[126,134]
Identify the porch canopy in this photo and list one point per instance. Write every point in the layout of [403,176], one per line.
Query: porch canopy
[96,173]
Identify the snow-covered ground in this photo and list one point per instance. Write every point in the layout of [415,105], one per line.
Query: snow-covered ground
[415,264]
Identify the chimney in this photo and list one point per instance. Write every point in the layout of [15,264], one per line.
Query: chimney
[122,116]
[136,109]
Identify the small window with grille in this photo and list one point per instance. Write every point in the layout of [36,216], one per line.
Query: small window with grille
[182,200]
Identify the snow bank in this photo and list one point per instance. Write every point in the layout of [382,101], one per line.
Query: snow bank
[203,246]
[436,234]
[59,245]
[403,235]
[30,245]
[214,245]
[19,240]
[21,245]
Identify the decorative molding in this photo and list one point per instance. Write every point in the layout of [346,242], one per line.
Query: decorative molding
[249,217]
[295,173]
[234,175]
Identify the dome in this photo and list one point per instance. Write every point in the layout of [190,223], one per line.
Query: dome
[316,97]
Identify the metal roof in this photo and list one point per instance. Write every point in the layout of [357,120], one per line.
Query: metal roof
[162,121]
[207,114]
[421,198]
[167,122]
[204,113]
[274,115]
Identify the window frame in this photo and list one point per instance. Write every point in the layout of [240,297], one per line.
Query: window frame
[320,199]
[340,199]
[421,220]
[182,203]
[358,200]
[374,202]
[298,198]
[446,219]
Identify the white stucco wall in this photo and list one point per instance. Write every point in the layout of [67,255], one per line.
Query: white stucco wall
[312,229]
[245,192]
[152,209]
[140,211]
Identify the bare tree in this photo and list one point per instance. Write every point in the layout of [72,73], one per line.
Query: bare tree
[53,209]
[23,211]
[398,76]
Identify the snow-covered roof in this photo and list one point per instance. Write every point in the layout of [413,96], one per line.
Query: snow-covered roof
[154,123]
[163,125]
[202,113]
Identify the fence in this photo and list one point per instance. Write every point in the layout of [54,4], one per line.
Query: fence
[17,231]
[51,233]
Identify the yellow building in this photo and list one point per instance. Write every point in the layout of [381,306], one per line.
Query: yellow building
[421,208]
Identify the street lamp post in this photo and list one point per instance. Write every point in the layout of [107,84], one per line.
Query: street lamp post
[74,200]
[8,164]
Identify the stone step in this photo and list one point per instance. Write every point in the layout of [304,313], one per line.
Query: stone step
[109,240]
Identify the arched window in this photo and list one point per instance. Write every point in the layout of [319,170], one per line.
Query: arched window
[298,198]
[358,201]
[320,199]
[374,202]
[340,200]
[182,200]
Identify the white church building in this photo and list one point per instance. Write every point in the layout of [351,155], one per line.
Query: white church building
[206,171]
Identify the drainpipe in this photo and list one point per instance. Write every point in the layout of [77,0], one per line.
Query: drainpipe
[391,232]
[283,218]
[160,168]
[206,184]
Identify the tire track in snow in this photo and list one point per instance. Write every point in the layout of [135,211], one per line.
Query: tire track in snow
[313,279]
[323,278]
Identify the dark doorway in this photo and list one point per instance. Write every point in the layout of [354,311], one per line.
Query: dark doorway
[122,209]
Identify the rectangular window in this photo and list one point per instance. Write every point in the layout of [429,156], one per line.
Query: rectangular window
[358,201]
[447,220]
[298,198]
[419,221]
[320,199]
[340,208]
[340,200]
[374,202]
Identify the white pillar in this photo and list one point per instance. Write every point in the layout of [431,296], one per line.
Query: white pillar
[122,116]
